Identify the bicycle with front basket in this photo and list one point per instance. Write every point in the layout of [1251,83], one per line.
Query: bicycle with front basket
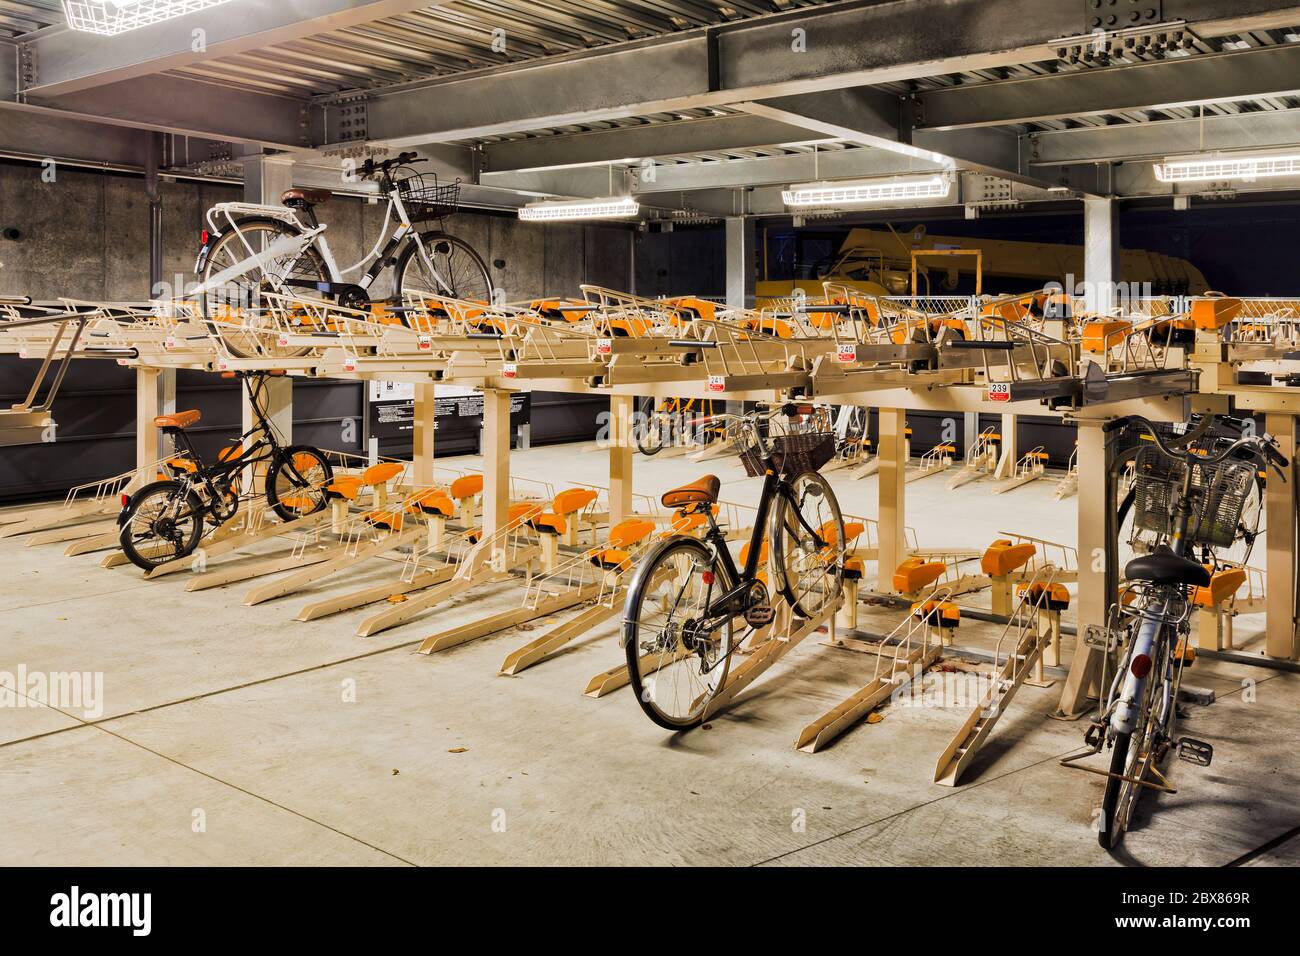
[250,249]
[164,520]
[1190,492]
[689,599]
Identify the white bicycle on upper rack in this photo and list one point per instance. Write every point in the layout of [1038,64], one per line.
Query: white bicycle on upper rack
[251,249]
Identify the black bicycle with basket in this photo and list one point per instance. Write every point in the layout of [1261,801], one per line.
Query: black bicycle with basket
[689,596]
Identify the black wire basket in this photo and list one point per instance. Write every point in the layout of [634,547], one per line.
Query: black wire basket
[424,199]
[792,454]
[1219,494]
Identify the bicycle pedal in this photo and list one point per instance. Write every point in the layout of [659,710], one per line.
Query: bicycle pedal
[760,615]
[1195,751]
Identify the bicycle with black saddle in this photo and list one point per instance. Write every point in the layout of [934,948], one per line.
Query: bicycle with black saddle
[690,604]
[1190,488]
[164,520]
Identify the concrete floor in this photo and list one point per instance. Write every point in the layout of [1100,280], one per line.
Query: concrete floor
[235,735]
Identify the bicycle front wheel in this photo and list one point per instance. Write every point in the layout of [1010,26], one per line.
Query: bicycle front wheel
[648,432]
[236,308]
[808,546]
[295,482]
[449,268]
[677,656]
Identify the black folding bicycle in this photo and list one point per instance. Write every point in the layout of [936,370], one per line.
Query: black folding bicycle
[688,598]
[163,521]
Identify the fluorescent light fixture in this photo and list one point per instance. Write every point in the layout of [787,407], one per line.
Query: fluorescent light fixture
[867,191]
[1202,169]
[111,17]
[619,207]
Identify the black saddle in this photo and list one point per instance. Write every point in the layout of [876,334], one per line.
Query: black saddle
[1162,566]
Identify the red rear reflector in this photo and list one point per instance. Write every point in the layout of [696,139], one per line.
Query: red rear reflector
[1141,666]
[707,577]
[126,500]
[205,236]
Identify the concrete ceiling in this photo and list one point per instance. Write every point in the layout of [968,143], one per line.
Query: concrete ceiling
[691,104]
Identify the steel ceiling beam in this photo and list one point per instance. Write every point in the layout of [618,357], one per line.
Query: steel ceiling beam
[1123,142]
[838,45]
[872,118]
[69,61]
[782,170]
[683,137]
[814,49]
[1159,84]
[40,134]
[665,178]
[174,104]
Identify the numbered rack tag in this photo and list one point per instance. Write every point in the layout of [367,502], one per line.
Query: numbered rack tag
[425,343]
[604,346]
[999,391]
[509,370]
[717,383]
[847,352]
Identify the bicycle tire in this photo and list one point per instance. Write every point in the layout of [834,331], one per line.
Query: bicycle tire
[780,543]
[643,584]
[286,512]
[1109,835]
[473,263]
[647,434]
[209,301]
[137,556]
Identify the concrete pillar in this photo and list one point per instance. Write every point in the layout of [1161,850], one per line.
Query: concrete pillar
[741,273]
[970,430]
[1093,601]
[620,458]
[423,438]
[265,178]
[149,442]
[496,460]
[892,487]
[1008,452]
[164,382]
[1100,252]
[1279,567]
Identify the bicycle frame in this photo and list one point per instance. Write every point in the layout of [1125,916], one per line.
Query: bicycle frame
[736,600]
[309,234]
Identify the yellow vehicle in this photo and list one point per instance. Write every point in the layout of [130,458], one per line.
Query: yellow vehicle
[879,262]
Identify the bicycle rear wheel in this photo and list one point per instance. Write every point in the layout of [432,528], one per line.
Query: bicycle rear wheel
[1130,761]
[164,522]
[233,309]
[676,664]
[808,546]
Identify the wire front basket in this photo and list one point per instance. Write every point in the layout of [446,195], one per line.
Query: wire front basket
[424,199]
[1219,492]
[792,454]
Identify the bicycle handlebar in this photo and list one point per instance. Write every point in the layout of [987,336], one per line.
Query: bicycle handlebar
[370,167]
[1262,447]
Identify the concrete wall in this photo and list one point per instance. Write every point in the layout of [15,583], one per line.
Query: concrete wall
[685,261]
[85,236]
